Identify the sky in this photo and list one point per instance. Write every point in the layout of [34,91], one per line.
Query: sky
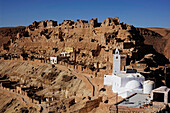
[140,13]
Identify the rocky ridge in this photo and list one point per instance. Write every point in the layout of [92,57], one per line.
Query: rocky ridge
[76,83]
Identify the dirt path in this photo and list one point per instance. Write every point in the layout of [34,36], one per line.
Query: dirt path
[86,80]
[80,75]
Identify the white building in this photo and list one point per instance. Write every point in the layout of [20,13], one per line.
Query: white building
[125,84]
[161,94]
[53,60]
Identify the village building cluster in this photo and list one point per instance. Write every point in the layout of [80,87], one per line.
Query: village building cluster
[112,51]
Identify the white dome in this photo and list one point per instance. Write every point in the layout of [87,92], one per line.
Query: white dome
[133,84]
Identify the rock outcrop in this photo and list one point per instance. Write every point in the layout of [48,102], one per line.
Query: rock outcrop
[76,82]
[158,38]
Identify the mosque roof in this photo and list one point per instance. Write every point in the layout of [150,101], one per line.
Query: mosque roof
[133,84]
[129,75]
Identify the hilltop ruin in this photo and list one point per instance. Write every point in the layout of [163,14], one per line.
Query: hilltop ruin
[75,82]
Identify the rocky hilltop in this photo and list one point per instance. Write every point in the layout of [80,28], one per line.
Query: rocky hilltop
[75,83]
[92,42]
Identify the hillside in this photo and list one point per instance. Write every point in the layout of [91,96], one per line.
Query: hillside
[159,38]
[84,51]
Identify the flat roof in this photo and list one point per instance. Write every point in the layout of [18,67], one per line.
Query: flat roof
[136,101]
[124,74]
[161,89]
[129,75]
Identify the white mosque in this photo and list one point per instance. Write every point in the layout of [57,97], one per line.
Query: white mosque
[123,83]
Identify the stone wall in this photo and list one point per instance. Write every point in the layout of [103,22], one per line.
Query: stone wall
[21,95]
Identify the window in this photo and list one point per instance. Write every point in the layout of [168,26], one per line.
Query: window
[159,97]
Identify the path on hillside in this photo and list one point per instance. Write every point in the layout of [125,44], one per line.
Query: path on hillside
[86,79]
[80,75]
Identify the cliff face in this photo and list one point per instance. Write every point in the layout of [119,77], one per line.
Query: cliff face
[159,38]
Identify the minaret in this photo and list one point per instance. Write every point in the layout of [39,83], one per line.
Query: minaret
[116,62]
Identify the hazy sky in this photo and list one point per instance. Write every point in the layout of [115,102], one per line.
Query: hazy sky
[140,13]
